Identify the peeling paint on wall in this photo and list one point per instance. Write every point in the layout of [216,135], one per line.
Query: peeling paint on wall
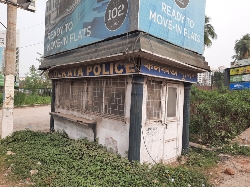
[152,134]
[111,144]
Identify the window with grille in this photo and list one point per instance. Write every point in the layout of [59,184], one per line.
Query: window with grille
[99,95]
[154,99]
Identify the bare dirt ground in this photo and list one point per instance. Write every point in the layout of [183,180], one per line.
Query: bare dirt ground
[238,165]
[231,172]
[33,118]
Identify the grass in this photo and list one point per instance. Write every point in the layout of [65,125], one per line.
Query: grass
[28,99]
[61,161]
[200,159]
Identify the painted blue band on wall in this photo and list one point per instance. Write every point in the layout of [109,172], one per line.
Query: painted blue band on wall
[168,72]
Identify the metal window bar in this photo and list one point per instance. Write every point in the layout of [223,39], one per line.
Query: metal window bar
[114,96]
[95,95]
[104,96]
[62,94]
[76,95]
[154,89]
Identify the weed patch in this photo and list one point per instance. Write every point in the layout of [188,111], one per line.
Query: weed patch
[218,116]
[61,161]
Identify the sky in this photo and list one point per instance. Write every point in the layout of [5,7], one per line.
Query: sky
[229,18]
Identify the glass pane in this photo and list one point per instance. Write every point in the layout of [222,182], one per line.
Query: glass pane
[172,102]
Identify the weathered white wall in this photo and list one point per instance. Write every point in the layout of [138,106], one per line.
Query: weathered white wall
[113,133]
[74,130]
[110,132]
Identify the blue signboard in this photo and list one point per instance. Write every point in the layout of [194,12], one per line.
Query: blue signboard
[70,25]
[124,68]
[240,86]
[95,70]
[168,72]
[180,22]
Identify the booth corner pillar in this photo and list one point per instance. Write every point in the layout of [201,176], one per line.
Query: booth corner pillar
[136,118]
[52,106]
[186,118]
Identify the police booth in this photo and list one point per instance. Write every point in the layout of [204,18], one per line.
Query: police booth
[122,72]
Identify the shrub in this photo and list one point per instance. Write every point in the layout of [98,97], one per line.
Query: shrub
[218,116]
[21,98]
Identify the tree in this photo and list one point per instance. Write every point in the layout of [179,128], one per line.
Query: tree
[36,80]
[209,33]
[242,48]
[218,79]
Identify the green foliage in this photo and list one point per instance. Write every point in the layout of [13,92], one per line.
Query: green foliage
[66,162]
[28,99]
[209,32]
[242,48]
[235,149]
[36,80]
[218,116]
[218,79]
[200,159]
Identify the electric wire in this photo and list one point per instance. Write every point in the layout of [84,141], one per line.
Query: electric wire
[30,45]
[31,26]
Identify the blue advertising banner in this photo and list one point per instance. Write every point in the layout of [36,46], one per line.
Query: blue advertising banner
[181,22]
[168,72]
[240,86]
[71,24]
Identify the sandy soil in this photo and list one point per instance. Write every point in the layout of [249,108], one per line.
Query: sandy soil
[239,165]
[240,176]
[33,118]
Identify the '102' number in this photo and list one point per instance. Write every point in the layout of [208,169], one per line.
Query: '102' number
[116,12]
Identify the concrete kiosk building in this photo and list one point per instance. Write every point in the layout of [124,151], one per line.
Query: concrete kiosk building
[122,71]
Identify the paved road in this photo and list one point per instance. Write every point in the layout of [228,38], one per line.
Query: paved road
[33,118]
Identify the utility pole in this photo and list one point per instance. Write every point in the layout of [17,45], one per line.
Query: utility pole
[9,73]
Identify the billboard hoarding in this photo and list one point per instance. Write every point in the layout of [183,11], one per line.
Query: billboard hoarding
[240,70]
[240,63]
[72,24]
[180,22]
[240,78]
[240,86]
[2,57]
